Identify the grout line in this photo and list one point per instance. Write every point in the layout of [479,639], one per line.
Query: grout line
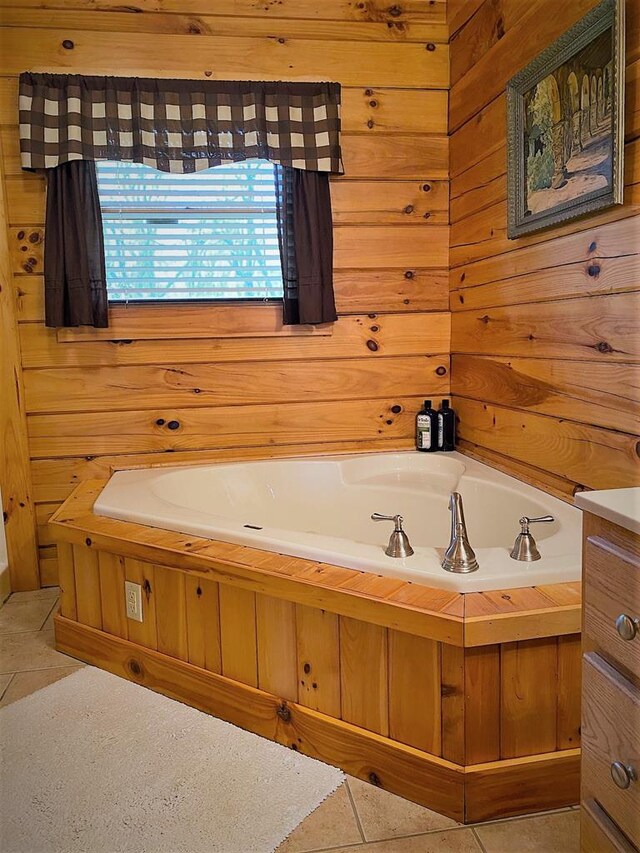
[22,633]
[56,604]
[355,810]
[8,684]
[73,662]
[478,839]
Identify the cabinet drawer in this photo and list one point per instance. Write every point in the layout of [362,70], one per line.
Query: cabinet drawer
[612,590]
[611,733]
[599,834]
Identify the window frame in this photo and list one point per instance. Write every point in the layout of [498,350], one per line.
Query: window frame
[248,301]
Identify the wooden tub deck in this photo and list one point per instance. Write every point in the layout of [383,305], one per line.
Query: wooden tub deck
[466,703]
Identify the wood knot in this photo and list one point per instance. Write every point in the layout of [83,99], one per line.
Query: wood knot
[395,11]
[375,779]
[67,44]
[426,188]
[160,422]
[20,235]
[396,409]
[88,542]
[283,712]
[372,345]
[593,246]
[408,209]
[208,73]
[370,123]
[373,104]
[307,668]
[500,28]
[484,319]
[604,347]
[134,667]
[409,274]
[431,47]
[440,371]
[173,425]
[593,270]
[368,92]
[638,448]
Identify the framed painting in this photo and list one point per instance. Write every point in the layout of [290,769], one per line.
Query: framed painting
[565,117]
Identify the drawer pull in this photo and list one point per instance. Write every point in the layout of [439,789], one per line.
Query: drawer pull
[627,626]
[623,774]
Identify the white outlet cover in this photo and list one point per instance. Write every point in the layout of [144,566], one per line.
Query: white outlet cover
[133,600]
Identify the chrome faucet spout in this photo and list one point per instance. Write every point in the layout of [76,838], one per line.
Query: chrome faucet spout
[459,556]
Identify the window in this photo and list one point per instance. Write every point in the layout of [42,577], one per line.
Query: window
[206,235]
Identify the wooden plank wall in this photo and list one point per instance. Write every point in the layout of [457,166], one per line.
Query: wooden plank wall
[166,381]
[545,344]
[468,706]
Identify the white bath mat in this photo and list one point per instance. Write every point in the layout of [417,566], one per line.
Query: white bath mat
[94,763]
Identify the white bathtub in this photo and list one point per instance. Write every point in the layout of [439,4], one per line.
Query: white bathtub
[320,508]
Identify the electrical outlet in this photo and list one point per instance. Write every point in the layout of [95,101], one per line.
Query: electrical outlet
[133,598]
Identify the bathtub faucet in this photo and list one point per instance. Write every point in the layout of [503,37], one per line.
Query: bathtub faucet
[399,545]
[459,556]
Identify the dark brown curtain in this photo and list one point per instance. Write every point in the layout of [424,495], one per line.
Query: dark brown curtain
[74,266]
[305,231]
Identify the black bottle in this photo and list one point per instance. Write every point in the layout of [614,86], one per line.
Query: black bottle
[427,428]
[446,427]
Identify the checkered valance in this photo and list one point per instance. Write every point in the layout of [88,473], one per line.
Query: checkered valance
[178,125]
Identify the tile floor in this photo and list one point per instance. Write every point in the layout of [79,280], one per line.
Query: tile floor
[357,818]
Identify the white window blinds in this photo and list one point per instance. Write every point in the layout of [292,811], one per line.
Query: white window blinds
[205,235]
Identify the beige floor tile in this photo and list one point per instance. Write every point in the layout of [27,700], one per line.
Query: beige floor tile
[451,841]
[33,650]
[384,815]
[332,824]
[35,594]
[27,615]
[25,683]
[555,833]
[5,680]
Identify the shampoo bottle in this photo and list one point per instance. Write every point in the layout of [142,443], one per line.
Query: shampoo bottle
[427,428]
[446,427]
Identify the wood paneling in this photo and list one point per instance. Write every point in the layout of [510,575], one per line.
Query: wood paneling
[15,475]
[203,623]
[276,640]
[235,57]
[312,387]
[363,672]
[238,634]
[414,670]
[544,332]
[529,697]
[171,613]
[579,453]
[318,659]
[391,689]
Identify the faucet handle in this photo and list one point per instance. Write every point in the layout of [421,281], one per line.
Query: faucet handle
[525,521]
[397,519]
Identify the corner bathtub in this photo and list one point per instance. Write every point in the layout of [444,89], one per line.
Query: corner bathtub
[319,509]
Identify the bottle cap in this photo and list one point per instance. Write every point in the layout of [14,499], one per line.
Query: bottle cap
[427,404]
[445,404]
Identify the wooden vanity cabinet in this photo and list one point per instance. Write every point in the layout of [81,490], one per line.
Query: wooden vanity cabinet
[610,795]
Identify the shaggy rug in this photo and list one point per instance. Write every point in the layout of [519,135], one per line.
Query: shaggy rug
[96,764]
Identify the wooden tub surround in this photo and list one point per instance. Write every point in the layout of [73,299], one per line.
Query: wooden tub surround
[465,703]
